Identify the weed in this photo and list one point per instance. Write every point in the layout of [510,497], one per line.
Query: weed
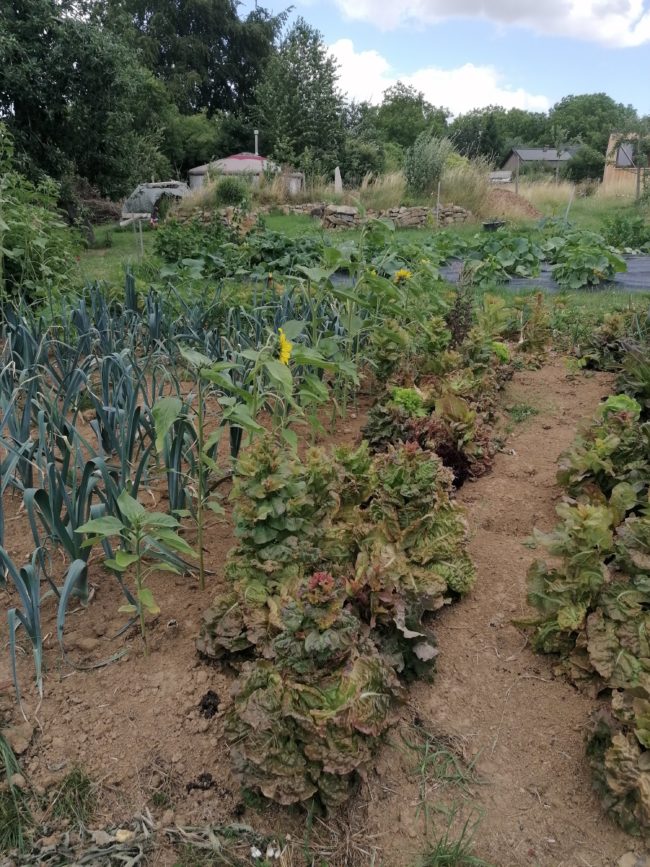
[520,412]
[161,800]
[15,815]
[76,798]
[454,851]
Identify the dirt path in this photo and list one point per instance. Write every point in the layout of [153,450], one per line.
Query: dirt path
[492,692]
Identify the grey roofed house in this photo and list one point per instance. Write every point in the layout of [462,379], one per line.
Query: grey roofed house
[143,200]
[547,157]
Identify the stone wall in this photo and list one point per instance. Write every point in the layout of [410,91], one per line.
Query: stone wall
[349,217]
[344,216]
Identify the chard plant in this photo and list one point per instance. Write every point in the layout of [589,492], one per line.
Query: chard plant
[144,536]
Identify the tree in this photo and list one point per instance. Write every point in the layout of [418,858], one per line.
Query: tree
[592,117]
[586,164]
[298,105]
[490,142]
[493,131]
[75,99]
[360,157]
[404,114]
[465,132]
[207,56]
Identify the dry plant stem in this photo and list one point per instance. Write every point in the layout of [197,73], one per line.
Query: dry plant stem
[138,584]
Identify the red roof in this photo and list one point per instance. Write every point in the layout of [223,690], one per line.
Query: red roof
[246,156]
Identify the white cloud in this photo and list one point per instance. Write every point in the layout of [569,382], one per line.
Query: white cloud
[619,23]
[364,75]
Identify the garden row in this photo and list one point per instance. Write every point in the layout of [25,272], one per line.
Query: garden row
[343,558]
[576,257]
[594,602]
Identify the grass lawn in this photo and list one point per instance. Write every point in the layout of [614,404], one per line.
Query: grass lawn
[116,249]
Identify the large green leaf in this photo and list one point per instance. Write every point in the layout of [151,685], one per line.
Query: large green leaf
[280,374]
[107,526]
[165,412]
[130,508]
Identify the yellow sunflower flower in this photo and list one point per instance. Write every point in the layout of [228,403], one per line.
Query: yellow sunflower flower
[402,274]
[285,347]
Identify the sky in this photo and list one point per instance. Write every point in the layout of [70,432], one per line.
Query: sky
[466,54]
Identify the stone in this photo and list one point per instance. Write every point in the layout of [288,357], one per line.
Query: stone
[167,818]
[101,838]
[18,781]
[19,737]
[123,835]
[631,859]
[338,180]
[86,644]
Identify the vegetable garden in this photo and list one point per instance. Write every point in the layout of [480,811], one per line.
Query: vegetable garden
[327,400]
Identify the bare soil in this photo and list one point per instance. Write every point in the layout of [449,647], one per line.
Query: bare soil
[506,203]
[146,727]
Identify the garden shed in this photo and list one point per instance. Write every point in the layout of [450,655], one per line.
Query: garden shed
[144,201]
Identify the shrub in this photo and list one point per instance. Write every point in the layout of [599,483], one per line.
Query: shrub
[584,165]
[35,251]
[424,163]
[231,191]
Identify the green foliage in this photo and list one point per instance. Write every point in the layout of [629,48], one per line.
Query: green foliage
[298,105]
[520,412]
[231,191]
[627,231]
[585,260]
[145,536]
[404,114]
[208,56]
[16,819]
[75,798]
[409,399]
[591,117]
[388,346]
[424,163]
[76,99]
[174,241]
[586,164]
[35,252]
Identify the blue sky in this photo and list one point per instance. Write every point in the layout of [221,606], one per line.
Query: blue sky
[468,53]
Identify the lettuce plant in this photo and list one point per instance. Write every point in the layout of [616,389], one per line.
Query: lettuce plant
[304,725]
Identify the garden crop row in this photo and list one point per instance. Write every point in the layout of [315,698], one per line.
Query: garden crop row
[576,257]
[595,603]
[343,558]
